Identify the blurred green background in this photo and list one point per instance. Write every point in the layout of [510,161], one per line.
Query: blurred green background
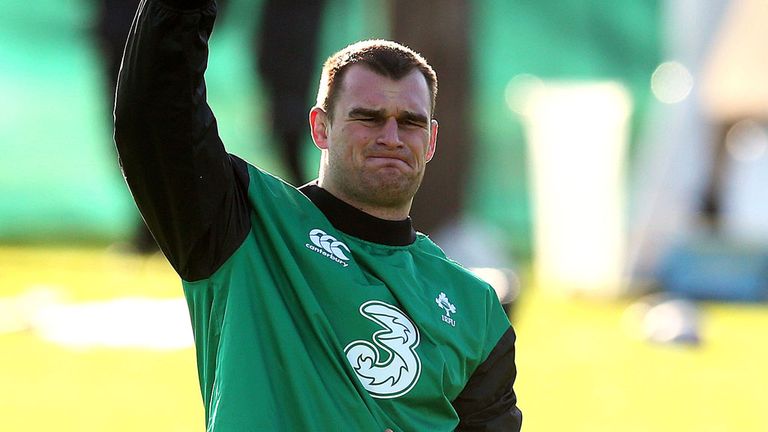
[58,174]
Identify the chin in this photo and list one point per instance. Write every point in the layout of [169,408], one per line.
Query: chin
[390,192]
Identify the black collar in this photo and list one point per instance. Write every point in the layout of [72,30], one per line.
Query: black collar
[357,223]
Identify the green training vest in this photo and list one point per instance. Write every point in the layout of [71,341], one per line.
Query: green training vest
[305,328]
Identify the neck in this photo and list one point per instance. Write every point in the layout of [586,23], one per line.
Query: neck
[391,213]
[356,223]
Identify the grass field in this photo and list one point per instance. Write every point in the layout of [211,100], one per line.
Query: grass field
[579,369]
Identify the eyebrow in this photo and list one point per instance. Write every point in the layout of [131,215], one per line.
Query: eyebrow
[380,113]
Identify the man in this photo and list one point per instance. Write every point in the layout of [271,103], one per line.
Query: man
[318,308]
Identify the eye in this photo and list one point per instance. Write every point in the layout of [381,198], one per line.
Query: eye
[412,123]
[367,120]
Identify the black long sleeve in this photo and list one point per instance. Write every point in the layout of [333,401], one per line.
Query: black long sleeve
[190,192]
[488,402]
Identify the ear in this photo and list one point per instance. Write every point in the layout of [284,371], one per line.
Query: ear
[432,140]
[318,123]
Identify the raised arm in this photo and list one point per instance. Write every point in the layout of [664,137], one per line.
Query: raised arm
[190,192]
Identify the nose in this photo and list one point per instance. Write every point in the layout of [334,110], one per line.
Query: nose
[390,134]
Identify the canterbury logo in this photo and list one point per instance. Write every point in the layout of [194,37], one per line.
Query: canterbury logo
[389,367]
[328,246]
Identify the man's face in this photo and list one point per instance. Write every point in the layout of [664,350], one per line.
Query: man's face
[381,137]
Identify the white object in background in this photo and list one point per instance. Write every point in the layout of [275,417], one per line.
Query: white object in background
[745,186]
[577,139]
[125,322]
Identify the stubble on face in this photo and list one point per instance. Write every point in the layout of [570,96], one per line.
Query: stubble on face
[375,186]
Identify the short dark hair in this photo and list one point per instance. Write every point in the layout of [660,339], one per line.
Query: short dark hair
[386,58]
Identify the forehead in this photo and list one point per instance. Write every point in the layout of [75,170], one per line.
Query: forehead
[362,87]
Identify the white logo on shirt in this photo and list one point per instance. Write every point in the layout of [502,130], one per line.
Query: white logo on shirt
[391,367]
[328,246]
[448,307]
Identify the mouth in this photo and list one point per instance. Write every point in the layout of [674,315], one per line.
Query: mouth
[388,160]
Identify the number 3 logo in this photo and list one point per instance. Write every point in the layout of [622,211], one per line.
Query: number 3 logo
[395,373]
